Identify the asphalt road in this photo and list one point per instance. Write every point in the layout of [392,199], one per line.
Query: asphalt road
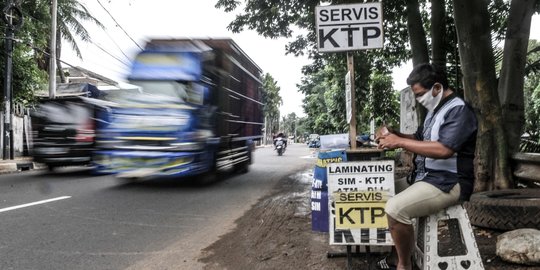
[74,220]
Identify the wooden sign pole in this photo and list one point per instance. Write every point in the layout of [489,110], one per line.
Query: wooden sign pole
[352,123]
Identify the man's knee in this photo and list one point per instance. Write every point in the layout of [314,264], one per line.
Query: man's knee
[395,210]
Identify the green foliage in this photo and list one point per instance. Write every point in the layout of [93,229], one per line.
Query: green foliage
[289,124]
[70,18]
[272,100]
[532,99]
[30,60]
[71,15]
[384,100]
[324,101]
[499,22]
[323,84]
[27,78]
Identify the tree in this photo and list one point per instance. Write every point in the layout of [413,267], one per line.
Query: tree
[383,100]
[30,58]
[324,101]
[274,19]
[478,66]
[27,77]
[497,98]
[417,34]
[272,100]
[532,98]
[289,124]
[488,97]
[510,86]
[70,18]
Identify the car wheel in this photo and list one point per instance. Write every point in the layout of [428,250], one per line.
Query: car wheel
[50,167]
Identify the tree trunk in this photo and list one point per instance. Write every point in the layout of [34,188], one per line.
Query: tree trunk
[58,54]
[419,48]
[438,33]
[417,35]
[513,71]
[480,83]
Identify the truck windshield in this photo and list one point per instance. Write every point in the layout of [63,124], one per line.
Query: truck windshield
[189,92]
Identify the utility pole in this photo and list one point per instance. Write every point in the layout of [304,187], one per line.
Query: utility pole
[52,57]
[12,16]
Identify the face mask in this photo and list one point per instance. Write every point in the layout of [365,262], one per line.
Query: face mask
[428,100]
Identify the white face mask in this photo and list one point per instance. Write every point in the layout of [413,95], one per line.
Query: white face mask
[428,100]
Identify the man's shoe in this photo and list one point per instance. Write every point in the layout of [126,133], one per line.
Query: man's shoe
[381,264]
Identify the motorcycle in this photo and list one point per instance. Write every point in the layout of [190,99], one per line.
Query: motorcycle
[280,146]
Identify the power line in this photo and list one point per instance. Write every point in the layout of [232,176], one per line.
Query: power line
[117,46]
[114,42]
[110,54]
[119,24]
[92,42]
[48,54]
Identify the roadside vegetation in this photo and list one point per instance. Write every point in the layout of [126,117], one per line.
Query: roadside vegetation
[484,46]
[32,44]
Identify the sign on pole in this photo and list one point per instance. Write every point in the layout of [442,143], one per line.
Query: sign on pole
[348,97]
[349,27]
[359,191]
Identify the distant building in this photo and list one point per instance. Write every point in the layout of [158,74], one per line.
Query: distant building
[82,75]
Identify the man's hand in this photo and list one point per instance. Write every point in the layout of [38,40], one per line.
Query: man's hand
[381,132]
[390,141]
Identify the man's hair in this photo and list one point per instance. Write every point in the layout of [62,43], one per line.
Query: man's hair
[427,75]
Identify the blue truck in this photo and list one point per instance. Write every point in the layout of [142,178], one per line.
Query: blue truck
[199,113]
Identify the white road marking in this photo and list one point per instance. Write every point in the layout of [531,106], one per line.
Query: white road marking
[33,203]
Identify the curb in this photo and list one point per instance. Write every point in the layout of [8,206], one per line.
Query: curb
[11,166]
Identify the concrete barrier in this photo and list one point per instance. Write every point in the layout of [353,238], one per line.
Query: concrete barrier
[527,168]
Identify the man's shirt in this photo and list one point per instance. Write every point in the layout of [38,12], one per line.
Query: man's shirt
[453,124]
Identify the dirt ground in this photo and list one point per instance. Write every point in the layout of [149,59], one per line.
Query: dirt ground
[276,234]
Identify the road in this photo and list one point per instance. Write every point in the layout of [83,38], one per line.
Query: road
[74,220]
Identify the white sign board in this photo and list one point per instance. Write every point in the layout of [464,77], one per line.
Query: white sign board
[349,27]
[348,96]
[364,188]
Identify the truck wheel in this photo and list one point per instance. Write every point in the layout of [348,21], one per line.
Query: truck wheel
[209,177]
[243,167]
[508,209]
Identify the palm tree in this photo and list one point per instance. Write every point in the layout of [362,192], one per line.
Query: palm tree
[70,18]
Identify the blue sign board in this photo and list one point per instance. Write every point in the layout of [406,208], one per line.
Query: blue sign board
[159,65]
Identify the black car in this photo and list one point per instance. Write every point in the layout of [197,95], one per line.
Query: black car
[64,127]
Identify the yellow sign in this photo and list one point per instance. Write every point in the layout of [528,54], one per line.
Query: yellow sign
[357,210]
[322,162]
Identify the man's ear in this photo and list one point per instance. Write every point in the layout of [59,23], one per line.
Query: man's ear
[437,89]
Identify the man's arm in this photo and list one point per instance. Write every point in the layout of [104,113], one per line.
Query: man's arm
[432,149]
[385,130]
[406,136]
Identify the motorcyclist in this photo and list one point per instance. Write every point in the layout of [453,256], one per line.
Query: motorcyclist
[282,137]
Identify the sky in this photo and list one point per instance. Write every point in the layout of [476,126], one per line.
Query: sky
[145,19]
[111,49]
